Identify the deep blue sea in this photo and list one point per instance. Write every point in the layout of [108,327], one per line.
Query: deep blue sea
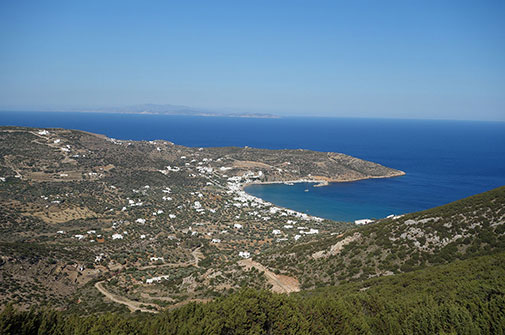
[444,160]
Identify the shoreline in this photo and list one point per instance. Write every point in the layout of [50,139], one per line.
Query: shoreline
[320,182]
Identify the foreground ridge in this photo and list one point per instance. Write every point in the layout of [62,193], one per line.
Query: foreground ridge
[463,297]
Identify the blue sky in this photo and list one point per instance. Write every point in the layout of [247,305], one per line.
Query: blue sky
[408,59]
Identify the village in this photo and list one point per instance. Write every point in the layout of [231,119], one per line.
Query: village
[152,221]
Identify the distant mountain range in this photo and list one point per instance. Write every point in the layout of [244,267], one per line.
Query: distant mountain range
[174,110]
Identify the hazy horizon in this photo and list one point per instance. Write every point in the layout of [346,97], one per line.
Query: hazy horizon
[393,59]
[238,114]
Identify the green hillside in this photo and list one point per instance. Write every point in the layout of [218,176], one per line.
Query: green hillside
[465,297]
[466,228]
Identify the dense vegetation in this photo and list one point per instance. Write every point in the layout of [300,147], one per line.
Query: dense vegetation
[465,297]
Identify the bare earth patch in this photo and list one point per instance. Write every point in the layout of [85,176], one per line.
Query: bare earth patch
[251,164]
[337,247]
[280,283]
[60,176]
[54,215]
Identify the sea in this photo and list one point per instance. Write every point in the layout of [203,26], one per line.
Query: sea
[444,160]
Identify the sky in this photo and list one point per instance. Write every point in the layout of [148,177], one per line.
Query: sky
[395,59]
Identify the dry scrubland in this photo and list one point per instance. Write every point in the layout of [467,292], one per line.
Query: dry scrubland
[93,223]
[90,225]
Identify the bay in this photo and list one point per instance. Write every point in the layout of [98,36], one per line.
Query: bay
[444,160]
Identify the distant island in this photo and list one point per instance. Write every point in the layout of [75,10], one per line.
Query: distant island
[155,109]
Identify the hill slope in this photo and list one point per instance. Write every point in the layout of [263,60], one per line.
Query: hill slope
[466,228]
[465,297]
[152,221]
[91,224]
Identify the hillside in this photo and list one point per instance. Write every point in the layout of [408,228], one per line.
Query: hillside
[126,224]
[464,297]
[92,225]
[463,229]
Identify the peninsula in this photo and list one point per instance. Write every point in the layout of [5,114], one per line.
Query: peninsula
[148,221]
[92,225]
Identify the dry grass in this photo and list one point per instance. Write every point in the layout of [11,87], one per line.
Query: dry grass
[56,215]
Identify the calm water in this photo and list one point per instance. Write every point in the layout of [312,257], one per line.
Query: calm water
[444,160]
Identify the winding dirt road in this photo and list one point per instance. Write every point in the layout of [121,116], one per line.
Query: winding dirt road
[197,256]
[139,306]
[132,305]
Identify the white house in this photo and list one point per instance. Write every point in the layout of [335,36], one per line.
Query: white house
[244,254]
[363,221]
[156,279]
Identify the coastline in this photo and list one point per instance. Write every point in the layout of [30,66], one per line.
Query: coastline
[320,182]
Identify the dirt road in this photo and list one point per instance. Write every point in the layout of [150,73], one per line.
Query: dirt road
[132,305]
[197,255]
[136,305]
[280,283]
